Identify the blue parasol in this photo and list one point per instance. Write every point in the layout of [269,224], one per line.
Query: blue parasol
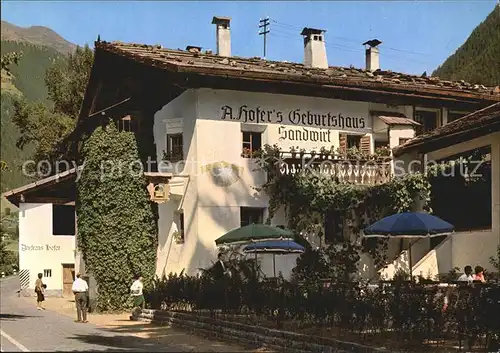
[409,225]
[274,247]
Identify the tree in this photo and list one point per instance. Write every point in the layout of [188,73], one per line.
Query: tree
[117,229]
[9,59]
[67,80]
[8,259]
[46,126]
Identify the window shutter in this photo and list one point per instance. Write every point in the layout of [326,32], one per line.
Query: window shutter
[366,144]
[343,143]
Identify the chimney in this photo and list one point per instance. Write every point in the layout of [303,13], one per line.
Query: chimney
[372,54]
[314,48]
[223,35]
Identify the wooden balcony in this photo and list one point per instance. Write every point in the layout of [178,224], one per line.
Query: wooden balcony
[367,171]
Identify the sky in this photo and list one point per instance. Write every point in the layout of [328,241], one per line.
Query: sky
[416,36]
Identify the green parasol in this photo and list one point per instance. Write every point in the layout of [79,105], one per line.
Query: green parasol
[254,232]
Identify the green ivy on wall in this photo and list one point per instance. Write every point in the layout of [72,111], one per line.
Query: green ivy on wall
[117,230]
[306,198]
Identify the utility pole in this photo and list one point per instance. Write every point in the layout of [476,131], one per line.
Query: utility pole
[263,24]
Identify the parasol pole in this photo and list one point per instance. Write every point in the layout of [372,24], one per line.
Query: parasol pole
[274,264]
[409,261]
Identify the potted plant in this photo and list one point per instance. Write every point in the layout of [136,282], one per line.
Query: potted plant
[353,153]
[383,152]
[313,153]
[246,152]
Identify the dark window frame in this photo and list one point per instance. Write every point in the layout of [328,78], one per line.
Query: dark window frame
[422,116]
[63,224]
[403,140]
[455,115]
[129,124]
[175,147]
[253,215]
[251,141]
[353,141]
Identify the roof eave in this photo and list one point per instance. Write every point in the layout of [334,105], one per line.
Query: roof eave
[438,142]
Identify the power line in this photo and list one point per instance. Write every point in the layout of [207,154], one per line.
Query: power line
[263,24]
[285,35]
[287,26]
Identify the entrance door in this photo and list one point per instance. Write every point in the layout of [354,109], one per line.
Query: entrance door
[68,279]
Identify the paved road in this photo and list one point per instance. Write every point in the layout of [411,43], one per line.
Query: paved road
[25,329]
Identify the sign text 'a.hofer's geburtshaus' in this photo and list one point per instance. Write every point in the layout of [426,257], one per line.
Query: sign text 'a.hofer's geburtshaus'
[297,117]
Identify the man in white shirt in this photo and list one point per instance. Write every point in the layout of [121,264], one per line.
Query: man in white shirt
[467,275]
[136,292]
[80,289]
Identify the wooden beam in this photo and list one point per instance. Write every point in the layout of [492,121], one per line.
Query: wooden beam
[52,200]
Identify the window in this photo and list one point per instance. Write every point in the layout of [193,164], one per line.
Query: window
[403,140]
[427,119]
[452,116]
[334,227]
[381,144]
[252,142]
[180,226]
[174,148]
[128,124]
[250,215]
[47,273]
[63,220]
[354,141]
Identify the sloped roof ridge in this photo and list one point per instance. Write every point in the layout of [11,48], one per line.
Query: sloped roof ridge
[395,74]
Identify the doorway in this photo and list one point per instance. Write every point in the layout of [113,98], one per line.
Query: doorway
[68,279]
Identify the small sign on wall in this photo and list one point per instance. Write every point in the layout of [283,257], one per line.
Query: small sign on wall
[46,247]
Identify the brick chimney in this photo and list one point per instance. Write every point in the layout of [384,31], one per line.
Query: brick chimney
[223,34]
[372,54]
[314,48]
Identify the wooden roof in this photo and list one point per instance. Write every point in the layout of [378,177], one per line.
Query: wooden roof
[396,120]
[181,61]
[477,124]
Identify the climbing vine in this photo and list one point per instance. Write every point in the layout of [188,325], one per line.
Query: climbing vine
[307,197]
[117,232]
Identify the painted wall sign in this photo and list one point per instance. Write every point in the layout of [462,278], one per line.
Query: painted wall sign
[297,117]
[223,173]
[45,247]
[304,134]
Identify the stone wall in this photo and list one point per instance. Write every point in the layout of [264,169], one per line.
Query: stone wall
[255,335]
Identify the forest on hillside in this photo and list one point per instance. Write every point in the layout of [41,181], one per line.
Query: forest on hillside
[27,79]
[478,59]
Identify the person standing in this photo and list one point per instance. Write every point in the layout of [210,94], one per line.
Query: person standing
[39,289]
[80,289]
[219,268]
[467,275]
[136,292]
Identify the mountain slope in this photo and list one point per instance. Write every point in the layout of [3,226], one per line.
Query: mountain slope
[477,60]
[28,80]
[37,35]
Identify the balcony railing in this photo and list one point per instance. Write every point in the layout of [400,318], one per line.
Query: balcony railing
[367,171]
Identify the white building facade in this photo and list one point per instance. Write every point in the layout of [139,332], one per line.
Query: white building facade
[205,112]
